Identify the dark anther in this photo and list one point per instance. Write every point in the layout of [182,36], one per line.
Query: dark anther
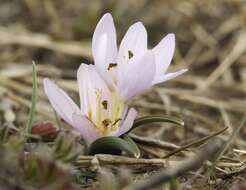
[116,121]
[130,54]
[111,65]
[105,104]
[106,122]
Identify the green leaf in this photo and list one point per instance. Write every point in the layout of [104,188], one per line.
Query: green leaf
[65,148]
[58,121]
[4,131]
[196,143]
[133,144]
[112,145]
[58,144]
[34,99]
[152,119]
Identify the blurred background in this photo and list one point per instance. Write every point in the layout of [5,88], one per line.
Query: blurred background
[56,34]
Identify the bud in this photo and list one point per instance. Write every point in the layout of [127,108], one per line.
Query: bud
[45,130]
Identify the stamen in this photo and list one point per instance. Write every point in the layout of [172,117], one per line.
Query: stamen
[106,122]
[116,121]
[99,111]
[111,65]
[90,115]
[105,104]
[130,54]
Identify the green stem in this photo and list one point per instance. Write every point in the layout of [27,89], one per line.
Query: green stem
[34,99]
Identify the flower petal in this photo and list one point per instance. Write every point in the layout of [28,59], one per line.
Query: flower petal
[137,76]
[104,46]
[86,128]
[133,44]
[164,53]
[127,123]
[90,84]
[60,101]
[168,76]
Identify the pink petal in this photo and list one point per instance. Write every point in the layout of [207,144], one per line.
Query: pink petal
[86,128]
[127,123]
[164,53]
[168,76]
[90,82]
[60,101]
[135,41]
[104,46]
[137,76]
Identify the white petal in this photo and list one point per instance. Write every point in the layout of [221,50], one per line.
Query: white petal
[60,101]
[137,76]
[90,83]
[135,41]
[104,46]
[127,123]
[168,76]
[164,53]
[86,128]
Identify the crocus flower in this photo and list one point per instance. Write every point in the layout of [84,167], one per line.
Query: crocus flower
[133,68]
[117,75]
[101,112]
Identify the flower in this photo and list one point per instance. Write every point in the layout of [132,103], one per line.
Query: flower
[133,68]
[101,112]
[118,75]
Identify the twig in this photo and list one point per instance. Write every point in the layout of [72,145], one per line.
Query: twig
[235,53]
[232,137]
[153,142]
[186,112]
[180,169]
[196,143]
[235,172]
[206,101]
[8,37]
[113,159]
[151,151]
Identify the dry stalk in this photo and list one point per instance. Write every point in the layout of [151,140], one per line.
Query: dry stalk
[113,159]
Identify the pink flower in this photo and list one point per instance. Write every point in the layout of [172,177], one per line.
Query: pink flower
[116,77]
[133,68]
[101,112]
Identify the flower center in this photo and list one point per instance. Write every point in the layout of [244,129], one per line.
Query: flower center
[108,114]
